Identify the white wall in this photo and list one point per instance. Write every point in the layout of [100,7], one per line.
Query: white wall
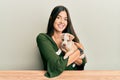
[96,22]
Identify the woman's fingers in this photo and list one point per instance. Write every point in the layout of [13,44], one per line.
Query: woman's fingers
[78,61]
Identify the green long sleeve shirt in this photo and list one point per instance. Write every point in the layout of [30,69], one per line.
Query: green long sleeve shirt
[53,63]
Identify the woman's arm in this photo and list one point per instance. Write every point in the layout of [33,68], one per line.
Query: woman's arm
[79,61]
[73,53]
[73,57]
[55,64]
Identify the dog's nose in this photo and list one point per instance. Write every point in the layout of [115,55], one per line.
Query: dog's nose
[64,44]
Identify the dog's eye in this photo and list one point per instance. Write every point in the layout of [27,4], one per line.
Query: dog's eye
[62,39]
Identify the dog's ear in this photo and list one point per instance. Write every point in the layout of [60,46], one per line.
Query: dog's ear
[71,37]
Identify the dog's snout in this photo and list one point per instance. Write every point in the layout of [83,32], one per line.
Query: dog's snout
[64,44]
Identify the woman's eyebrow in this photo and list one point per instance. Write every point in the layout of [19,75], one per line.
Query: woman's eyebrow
[61,16]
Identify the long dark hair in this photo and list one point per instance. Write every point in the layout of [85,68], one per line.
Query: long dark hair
[69,28]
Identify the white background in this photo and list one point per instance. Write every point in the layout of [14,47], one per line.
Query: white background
[96,22]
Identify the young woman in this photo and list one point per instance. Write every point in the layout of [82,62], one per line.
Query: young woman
[49,43]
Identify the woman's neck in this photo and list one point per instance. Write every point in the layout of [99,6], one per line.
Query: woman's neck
[57,38]
[57,35]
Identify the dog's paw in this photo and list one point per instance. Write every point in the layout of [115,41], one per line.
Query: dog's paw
[65,57]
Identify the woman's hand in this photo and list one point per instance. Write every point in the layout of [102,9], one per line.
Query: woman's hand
[79,45]
[78,61]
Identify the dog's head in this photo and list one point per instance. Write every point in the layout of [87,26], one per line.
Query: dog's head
[67,40]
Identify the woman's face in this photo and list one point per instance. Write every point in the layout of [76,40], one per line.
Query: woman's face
[60,22]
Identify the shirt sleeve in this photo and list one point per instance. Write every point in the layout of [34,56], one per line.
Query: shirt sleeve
[55,63]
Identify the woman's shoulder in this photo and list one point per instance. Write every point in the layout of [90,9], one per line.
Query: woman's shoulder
[42,36]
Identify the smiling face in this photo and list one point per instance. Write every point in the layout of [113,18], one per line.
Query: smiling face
[60,22]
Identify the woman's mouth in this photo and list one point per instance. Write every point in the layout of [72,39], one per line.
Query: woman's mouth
[61,26]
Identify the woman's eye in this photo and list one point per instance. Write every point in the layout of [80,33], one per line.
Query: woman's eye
[58,17]
[65,19]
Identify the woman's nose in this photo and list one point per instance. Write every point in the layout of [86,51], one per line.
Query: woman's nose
[62,21]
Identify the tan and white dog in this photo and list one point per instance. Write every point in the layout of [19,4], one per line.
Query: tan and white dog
[68,43]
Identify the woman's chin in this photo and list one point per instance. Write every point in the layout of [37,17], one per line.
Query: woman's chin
[60,30]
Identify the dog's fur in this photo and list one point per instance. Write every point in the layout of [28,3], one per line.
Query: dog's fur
[67,43]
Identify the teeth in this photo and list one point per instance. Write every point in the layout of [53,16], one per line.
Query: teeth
[61,26]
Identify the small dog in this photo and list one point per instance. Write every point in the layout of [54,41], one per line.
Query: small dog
[67,43]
